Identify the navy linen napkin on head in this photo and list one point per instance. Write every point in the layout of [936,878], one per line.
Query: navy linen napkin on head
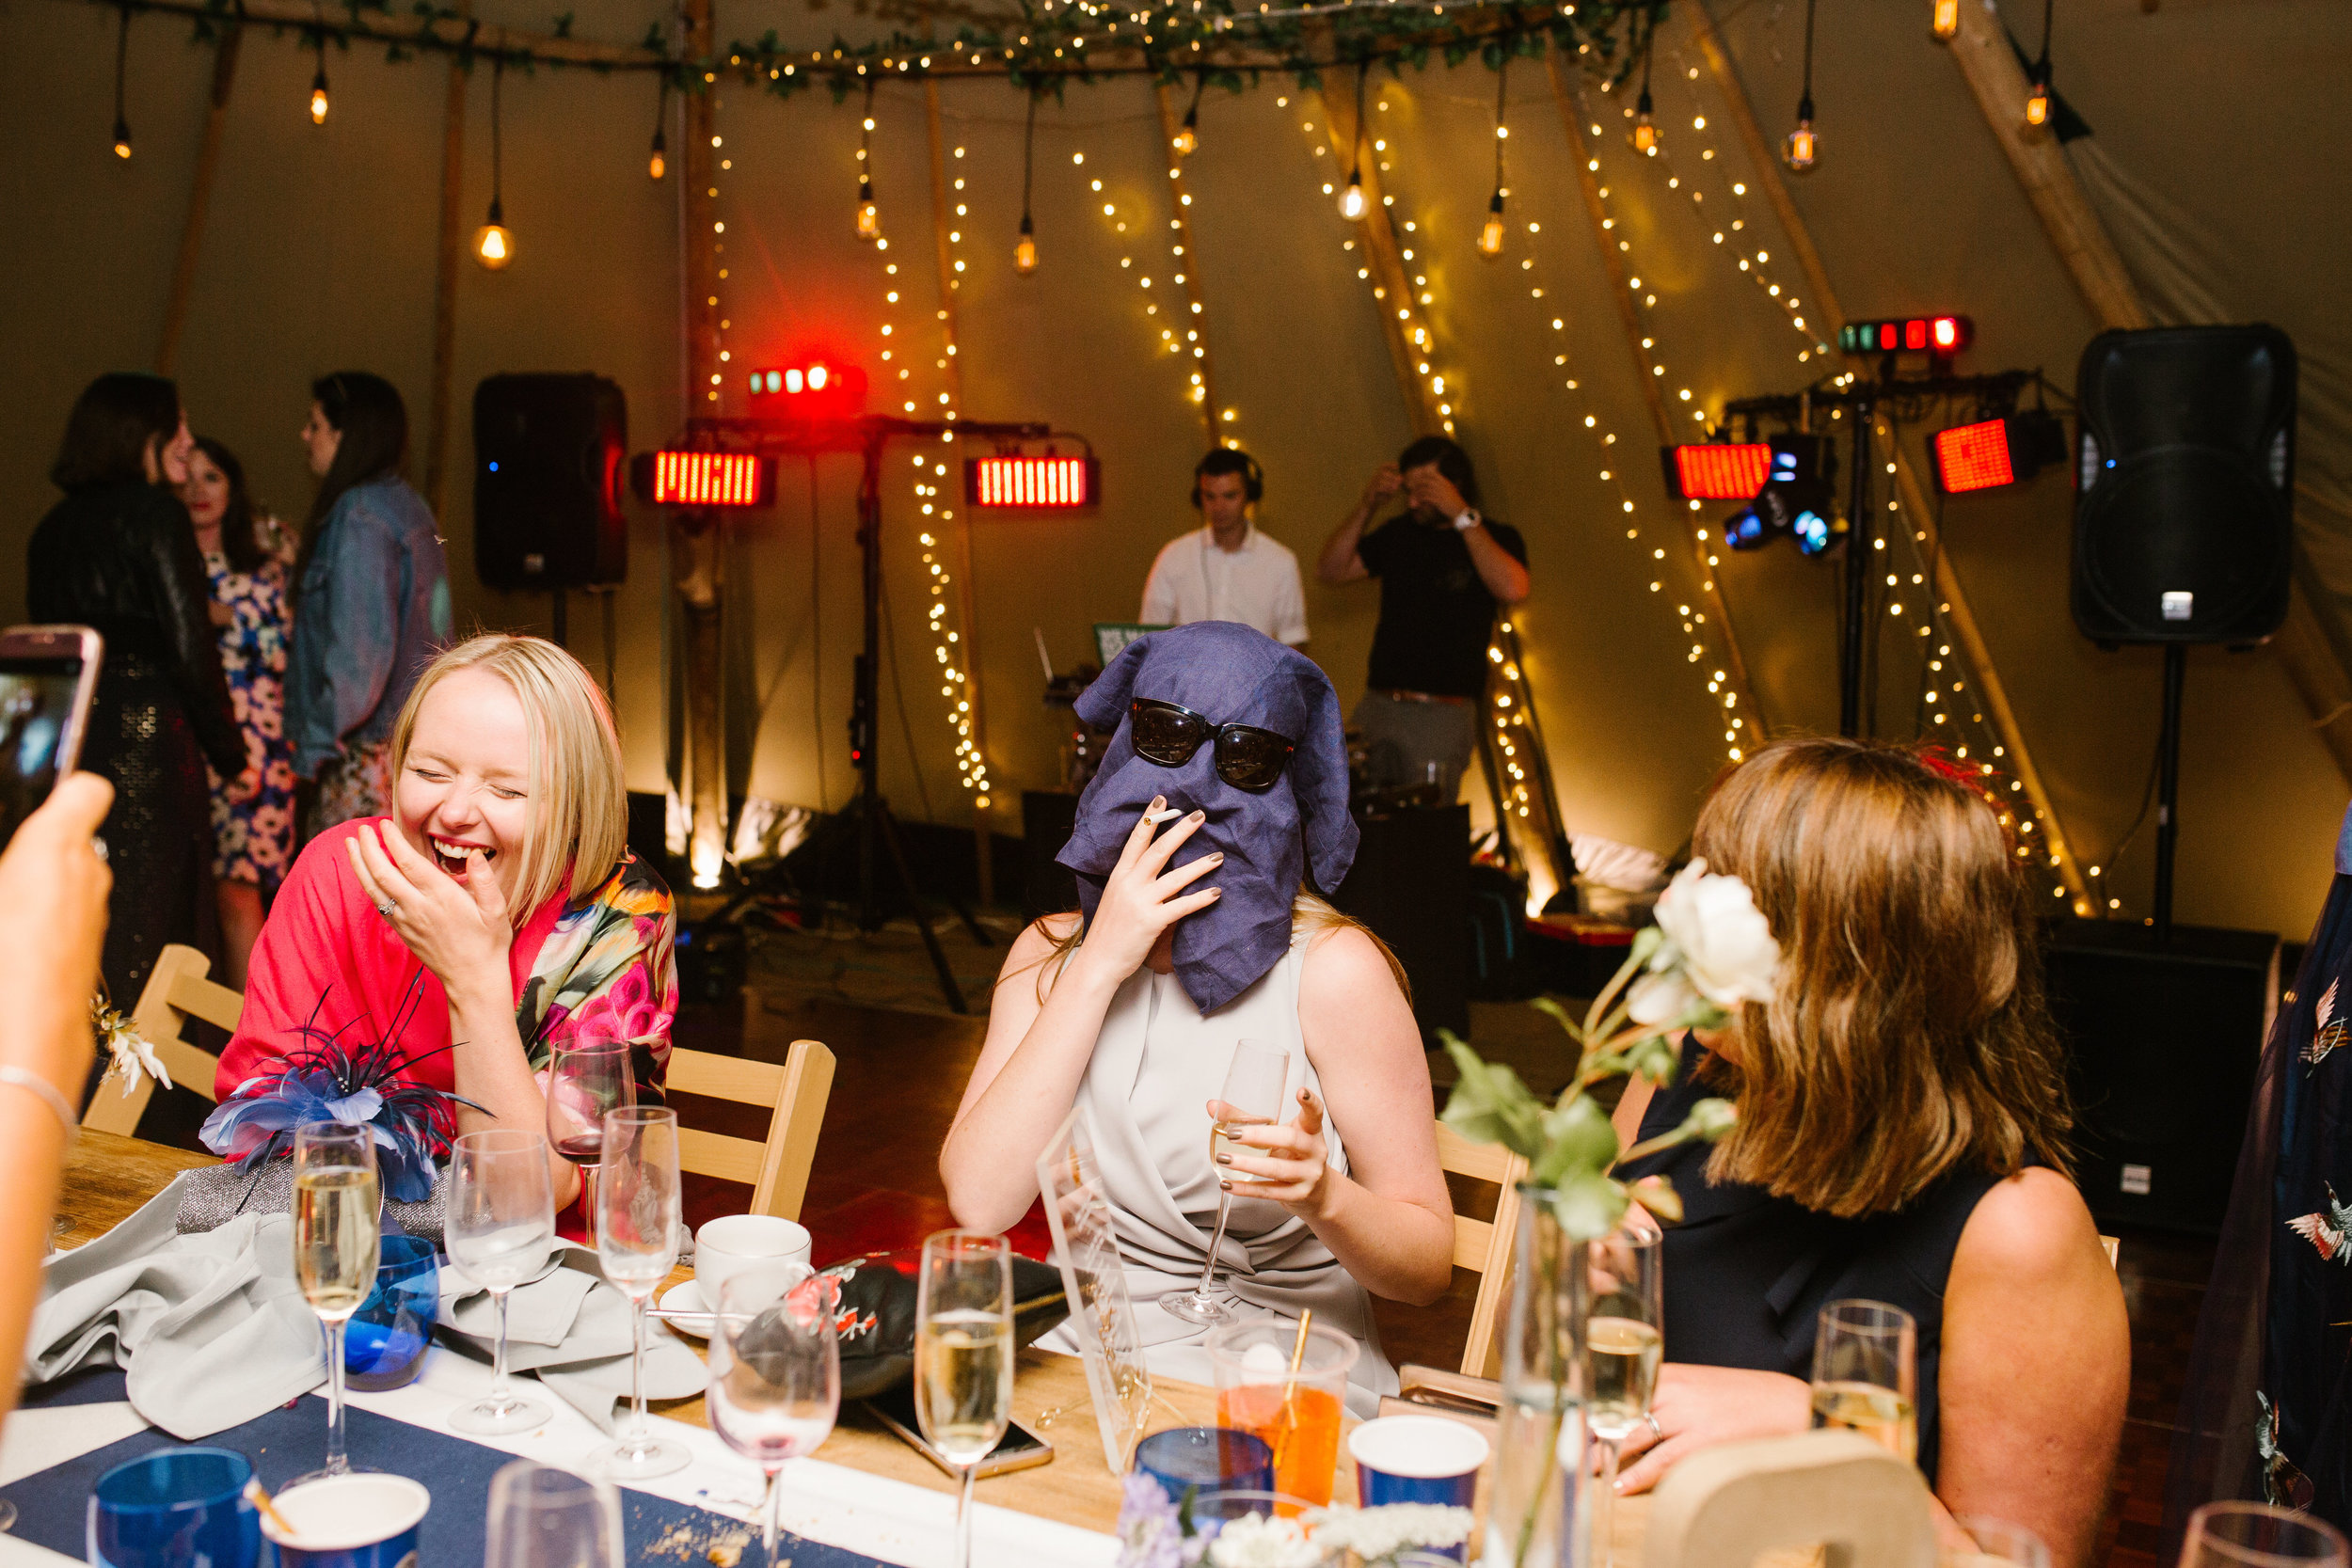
[1230,674]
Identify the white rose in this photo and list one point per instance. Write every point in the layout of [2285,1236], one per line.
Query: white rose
[1717,937]
[1662,1001]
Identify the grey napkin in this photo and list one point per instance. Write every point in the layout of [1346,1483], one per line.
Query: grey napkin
[572,1329]
[211,1329]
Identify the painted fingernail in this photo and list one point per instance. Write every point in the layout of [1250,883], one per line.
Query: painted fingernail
[1217,859]
[1225,1186]
[1158,800]
[1224,1159]
[1217,893]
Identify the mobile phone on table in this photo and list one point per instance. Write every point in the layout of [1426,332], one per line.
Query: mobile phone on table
[48,676]
[1018,1450]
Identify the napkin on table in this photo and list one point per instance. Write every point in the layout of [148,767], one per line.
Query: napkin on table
[572,1329]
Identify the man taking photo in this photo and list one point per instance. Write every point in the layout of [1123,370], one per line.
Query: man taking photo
[1444,571]
[1226,570]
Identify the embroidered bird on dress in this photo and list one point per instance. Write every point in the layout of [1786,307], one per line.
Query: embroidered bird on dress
[2329,1030]
[2326,1231]
[2284,1483]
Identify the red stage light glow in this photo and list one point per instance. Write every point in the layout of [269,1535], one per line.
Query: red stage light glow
[1048,483]
[813,390]
[1937,335]
[703,479]
[1718,472]
[1974,457]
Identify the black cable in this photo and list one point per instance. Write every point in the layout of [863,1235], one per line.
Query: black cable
[1356,154]
[1502,78]
[122,60]
[498,182]
[1029,150]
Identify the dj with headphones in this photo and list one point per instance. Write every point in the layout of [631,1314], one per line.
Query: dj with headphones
[1226,570]
[1445,569]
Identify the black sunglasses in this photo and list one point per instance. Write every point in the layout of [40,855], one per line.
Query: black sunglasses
[1247,757]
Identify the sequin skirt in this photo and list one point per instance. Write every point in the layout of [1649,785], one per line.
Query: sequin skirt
[159,836]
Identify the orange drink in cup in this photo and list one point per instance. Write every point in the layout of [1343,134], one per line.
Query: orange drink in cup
[1297,1416]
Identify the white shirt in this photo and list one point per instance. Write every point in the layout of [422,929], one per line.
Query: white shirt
[1193,580]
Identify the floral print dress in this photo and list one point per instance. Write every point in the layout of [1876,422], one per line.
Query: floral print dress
[253,840]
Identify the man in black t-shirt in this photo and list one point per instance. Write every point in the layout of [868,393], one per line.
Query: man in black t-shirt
[1444,570]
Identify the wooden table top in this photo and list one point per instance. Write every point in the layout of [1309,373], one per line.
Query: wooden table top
[108,1177]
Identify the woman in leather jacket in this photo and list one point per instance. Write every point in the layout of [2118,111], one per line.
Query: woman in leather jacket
[118,554]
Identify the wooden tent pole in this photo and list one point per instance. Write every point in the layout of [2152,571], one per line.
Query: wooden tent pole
[1620,290]
[1212,417]
[449,244]
[952,370]
[698,561]
[1391,286]
[199,199]
[1951,596]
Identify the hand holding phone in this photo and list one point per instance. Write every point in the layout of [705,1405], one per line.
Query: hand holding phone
[48,678]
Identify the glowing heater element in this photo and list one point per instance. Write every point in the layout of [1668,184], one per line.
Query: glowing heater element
[1974,457]
[1718,472]
[1040,484]
[703,479]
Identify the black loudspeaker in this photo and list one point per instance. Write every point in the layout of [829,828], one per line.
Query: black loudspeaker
[2183,515]
[2162,1044]
[550,473]
[1411,884]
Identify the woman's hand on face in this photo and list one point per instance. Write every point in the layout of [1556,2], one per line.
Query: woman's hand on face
[1142,898]
[1696,1407]
[1295,1171]
[459,930]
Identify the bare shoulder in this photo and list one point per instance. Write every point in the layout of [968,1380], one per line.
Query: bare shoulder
[1345,962]
[1037,941]
[2032,1229]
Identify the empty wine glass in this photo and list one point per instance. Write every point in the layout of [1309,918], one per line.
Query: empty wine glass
[1622,1348]
[2257,1535]
[500,1224]
[964,1357]
[338,1216]
[775,1372]
[637,1240]
[587,1078]
[543,1518]
[1253,1097]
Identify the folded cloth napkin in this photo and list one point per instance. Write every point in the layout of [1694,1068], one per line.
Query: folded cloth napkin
[572,1329]
[211,1329]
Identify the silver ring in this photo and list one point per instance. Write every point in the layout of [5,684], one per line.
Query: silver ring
[98,847]
[384,909]
[1652,1416]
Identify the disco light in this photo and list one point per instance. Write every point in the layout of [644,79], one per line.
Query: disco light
[1793,500]
[703,479]
[1993,452]
[1717,471]
[811,390]
[1936,335]
[1045,483]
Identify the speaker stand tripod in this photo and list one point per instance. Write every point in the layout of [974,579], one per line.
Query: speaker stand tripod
[2168,787]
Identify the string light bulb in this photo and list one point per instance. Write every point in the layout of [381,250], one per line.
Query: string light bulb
[1945,20]
[658,161]
[493,245]
[1490,237]
[868,216]
[1187,138]
[2038,96]
[1801,146]
[318,86]
[1024,252]
[1351,200]
[1644,128]
[122,55]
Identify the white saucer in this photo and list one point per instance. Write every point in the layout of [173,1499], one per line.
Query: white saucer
[685,1296]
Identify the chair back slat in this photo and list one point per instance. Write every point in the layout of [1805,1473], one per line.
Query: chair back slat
[1483,1245]
[175,988]
[777,1168]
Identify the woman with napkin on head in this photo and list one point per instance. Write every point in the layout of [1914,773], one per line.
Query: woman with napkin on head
[1226,781]
[495,915]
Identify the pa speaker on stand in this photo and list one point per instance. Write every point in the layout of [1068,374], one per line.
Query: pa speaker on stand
[551,474]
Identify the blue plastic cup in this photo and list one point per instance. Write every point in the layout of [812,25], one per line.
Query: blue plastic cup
[182,1507]
[384,1341]
[1206,1459]
[1417,1458]
[362,1520]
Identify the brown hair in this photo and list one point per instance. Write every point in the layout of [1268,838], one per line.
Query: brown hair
[1907,1038]
[1308,913]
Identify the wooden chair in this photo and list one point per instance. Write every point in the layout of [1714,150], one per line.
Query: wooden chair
[776,1169]
[176,992]
[1483,1245]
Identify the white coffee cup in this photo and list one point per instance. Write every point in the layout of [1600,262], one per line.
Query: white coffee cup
[726,1247]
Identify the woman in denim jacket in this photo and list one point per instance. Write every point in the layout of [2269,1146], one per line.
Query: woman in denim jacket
[372,605]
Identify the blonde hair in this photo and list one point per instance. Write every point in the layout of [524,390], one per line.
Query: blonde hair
[578,798]
[1907,1038]
[1308,913]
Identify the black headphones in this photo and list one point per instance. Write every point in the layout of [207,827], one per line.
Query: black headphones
[1252,476]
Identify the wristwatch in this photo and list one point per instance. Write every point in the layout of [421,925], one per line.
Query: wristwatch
[1467,520]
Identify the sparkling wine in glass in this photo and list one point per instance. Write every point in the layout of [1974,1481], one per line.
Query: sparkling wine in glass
[963,1357]
[499,1226]
[637,1242]
[587,1079]
[1253,1097]
[1864,1363]
[543,1518]
[775,1372]
[338,1218]
[1623,1344]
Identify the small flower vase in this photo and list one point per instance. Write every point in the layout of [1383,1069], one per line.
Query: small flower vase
[1536,1503]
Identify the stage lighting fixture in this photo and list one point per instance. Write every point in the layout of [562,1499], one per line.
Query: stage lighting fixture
[1796,499]
[1993,452]
[1046,483]
[1936,335]
[811,390]
[1717,471]
[703,479]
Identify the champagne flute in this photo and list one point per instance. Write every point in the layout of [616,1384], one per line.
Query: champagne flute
[2258,1535]
[338,1216]
[501,1223]
[543,1518]
[775,1372]
[587,1078]
[1623,1345]
[964,1357]
[637,1240]
[1864,1355]
[1253,1092]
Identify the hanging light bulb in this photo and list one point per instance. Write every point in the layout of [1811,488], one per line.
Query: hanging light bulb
[1490,237]
[2037,98]
[318,86]
[1801,146]
[122,137]
[493,247]
[658,164]
[1188,139]
[868,216]
[1024,254]
[122,57]
[1945,19]
[1352,198]
[1644,128]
